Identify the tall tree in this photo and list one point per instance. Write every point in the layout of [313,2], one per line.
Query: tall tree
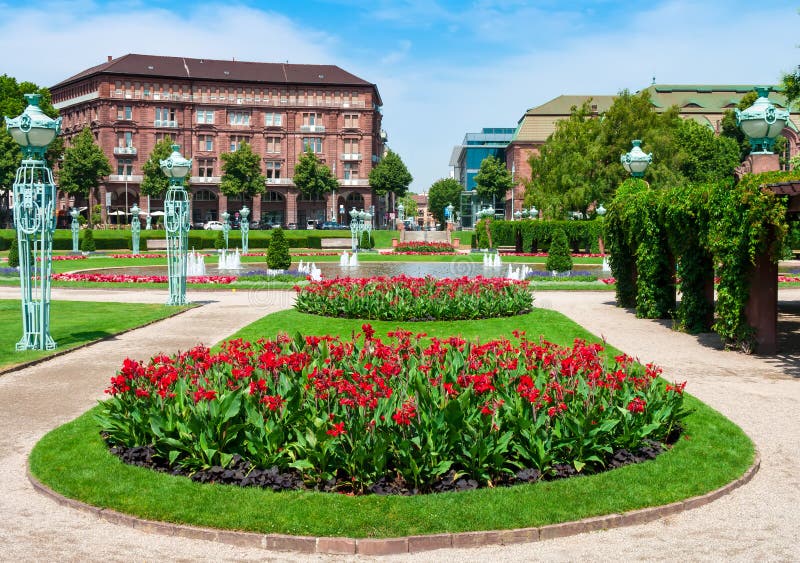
[312,177]
[442,193]
[83,167]
[409,205]
[732,131]
[241,173]
[154,181]
[390,175]
[493,180]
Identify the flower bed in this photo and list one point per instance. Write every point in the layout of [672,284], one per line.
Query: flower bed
[125,256]
[403,298]
[64,257]
[424,248]
[396,416]
[129,278]
[545,254]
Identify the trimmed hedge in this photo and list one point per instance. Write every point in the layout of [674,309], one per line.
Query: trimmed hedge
[535,235]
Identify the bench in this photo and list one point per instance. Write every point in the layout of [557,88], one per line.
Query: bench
[336,242]
[156,244]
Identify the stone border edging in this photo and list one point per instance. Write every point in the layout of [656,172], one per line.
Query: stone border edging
[407,544]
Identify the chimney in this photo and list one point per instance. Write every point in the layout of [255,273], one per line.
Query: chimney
[110,58]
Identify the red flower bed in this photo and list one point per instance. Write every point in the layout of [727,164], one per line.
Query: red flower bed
[544,254]
[138,255]
[65,257]
[424,248]
[129,278]
[407,410]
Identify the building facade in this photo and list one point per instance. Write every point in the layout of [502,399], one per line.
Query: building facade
[210,107]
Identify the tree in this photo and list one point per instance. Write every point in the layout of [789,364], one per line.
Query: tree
[390,175]
[442,193]
[154,181]
[493,180]
[558,256]
[241,173]
[731,130]
[84,165]
[705,157]
[409,205]
[312,177]
[87,242]
[278,251]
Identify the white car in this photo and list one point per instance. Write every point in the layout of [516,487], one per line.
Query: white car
[213,226]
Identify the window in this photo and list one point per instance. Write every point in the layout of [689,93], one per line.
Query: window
[272,196]
[351,121]
[205,116]
[237,140]
[165,117]
[351,146]
[273,144]
[312,119]
[312,143]
[205,143]
[125,112]
[273,119]
[205,167]
[204,195]
[125,167]
[239,118]
[125,139]
[273,170]
[350,170]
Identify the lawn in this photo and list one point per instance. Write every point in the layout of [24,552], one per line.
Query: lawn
[74,461]
[74,323]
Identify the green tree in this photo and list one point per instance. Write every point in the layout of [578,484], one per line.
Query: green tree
[13,253]
[278,251]
[704,156]
[390,175]
[731,130]
[409,206]
[84,165]
[154,181]
[312,177]
[442,193]
[558,256]
[87,242]
[493,180]
[241,173]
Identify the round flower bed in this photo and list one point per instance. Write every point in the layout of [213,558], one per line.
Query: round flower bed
[403,298]
[402,416]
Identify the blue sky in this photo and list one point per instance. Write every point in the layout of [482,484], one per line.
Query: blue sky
[443,68]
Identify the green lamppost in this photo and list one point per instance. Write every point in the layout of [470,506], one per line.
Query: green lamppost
[176,223]
[136,227]
[34,219]
[636,161]
[244,225]
[226,226]
[762,123]
[360,222]
[76,228]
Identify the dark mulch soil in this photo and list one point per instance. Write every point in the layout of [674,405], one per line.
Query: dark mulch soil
[241,472]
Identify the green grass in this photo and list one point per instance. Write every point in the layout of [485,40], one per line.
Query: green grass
[74,323]
[74,461]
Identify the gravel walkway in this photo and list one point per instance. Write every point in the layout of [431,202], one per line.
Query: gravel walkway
[760,521]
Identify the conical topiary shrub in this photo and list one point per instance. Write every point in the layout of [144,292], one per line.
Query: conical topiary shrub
[87,242]
[278,252]
[13,253]
[219,240]
[558,257]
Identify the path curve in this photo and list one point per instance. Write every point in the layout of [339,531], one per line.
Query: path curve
[756,522]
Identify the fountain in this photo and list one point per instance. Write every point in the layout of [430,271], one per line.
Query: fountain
[315,273]
[492,260]
[195,264]
[606,265]
[348,260]
[230,260]
[519,274]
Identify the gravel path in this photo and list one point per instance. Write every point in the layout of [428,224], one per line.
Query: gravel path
[760,521]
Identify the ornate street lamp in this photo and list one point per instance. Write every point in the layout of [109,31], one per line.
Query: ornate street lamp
[762,122]
[401,212]
[136,227]
[34,219]
[518,215]
[360,222]
[176,223]
[244,225]
[486,213]
[226,226]
[601,210]
[76,228]
[636,161]
[534,213]
[149,222]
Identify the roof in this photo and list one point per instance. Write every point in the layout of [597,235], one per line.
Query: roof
[155,66]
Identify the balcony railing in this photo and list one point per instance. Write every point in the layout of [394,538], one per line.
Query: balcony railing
[256,100]
[351,156]
[355,182]
[124,150]
[312,128]
[165,123]
[205,179]
[125,178]
[280,181]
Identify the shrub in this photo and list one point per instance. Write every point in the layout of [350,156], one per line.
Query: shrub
[278,252]
[425,247]
[219,240]
[367,412]
[87,242]
[403,298]
[558,257]
[13,253]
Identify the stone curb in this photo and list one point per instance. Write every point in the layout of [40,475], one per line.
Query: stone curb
[402,545]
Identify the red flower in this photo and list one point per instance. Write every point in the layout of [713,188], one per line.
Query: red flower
[405,413]
[637,405]
[367,330]
[337,429]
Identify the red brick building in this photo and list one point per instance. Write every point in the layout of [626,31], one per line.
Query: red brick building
[209,107]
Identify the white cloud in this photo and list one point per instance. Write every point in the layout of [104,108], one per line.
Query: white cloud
[398,55]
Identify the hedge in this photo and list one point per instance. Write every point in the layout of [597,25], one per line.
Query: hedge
[535,235]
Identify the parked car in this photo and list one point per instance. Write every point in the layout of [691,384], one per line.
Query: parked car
[291,226]
[331,225]
[213,226]
[311,225]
